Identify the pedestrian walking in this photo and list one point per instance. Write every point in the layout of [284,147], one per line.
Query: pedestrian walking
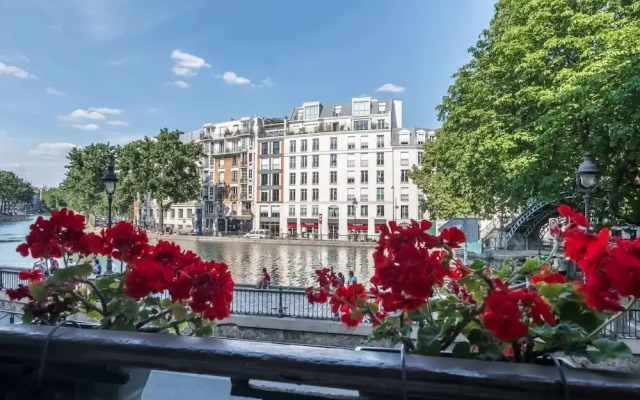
[340,279]
[97,267]
[352,279]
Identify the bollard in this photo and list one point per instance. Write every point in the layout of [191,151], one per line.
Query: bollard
[280,308]
[12,318]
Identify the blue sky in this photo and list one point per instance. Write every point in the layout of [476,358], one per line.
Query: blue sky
[73,72]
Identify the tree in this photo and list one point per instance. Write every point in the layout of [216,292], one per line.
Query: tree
[13,190]
[548,81]
[164,167]
[53,198]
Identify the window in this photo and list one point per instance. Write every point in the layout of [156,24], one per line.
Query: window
[404,194]
[303,145]
[380,211]
[420,158]
[234,176]
[404,158]
[404,212]
[243,177]
[264,195]
[364,176]
[264,163]
[180,213]
[315,145]
[333,177]
[404,138]
[420,137]
[380,159]
[351,210]
[250,191]
[315,194]
[234,161]
[189,213]
[361,107]
[292,195]
[315,178]
[364,159]
[404,176]
[333,212]
[275,163]
[292,162]
[364,196]
[221,163]
[314,211]
[303,161]
[292,146]
[299,114]
[364,142]
[276,148]
[351,160]
[264,179]
[315,161]
[333,161]
[311,112]
[364,211]
[351,142]
[250,174]
[292,178]
[380,176]
[333,194]
[173,213]
[275,180]
[303,211]
[303,194]
[380,194]
[264,211]
[361,125]
[221,177]
[275,195]
[351,194]
[337,110]
[351,177]
[265,148]
[334,143]
[380,141]
[292,211]
[382,107]
[303,178]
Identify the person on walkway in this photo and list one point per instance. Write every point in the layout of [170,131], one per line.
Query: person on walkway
[54,265]
[97,267]
[340,279]
[265,282]
[352,279]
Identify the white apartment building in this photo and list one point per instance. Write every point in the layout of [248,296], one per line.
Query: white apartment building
[344,170]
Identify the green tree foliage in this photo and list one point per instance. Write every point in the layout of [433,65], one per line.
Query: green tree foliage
[548,81]
[163,166]
[13,190]
[53,198]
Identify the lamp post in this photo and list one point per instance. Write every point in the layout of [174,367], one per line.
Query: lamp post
[587,179]
[109,179]
[355,206]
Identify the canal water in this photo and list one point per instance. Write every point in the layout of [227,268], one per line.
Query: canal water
[288,265]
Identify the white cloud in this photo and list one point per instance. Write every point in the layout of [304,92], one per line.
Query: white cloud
[185,64]
[15,71]
[54,92]
[81,114]
[118,123]
[181,84]
[87,127]
[51,149]
[15,57]
[105,110]
[265,83]
[232,78]
[390,87]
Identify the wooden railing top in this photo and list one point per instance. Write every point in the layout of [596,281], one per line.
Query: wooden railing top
[367,371]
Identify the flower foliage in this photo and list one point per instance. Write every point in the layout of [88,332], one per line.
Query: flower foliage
[199,292]
[517,312]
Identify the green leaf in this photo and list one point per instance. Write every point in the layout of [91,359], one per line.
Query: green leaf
[576,312]
[429,348]
[461,350]
[128,307]
[179,311]
[477,265]
[94,315]
[529,267]
[550,291]
[476,336]
[608,349]
[114,285]
[66,274]
[38,291]
[123,325]
[151,301]
[165,303]
[28,317]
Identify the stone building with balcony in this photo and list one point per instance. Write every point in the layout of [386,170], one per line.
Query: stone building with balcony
[270,175]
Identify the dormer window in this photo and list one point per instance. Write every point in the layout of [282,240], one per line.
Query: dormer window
[382,107]
[337,110]
[361,107]
[311,112]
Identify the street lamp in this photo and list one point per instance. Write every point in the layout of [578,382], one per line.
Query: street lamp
[109,179]
[355,206]
[587,179]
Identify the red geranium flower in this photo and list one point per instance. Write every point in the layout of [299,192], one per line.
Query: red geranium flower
[573,216]
[452,237]
[18,293]
[30,275]
[548,276]
[124,242]
[146,277]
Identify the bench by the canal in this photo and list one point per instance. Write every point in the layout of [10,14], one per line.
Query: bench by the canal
[79,355]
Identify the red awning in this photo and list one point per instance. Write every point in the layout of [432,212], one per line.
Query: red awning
[292,225]
[309,225]
[358,227]
[378,227]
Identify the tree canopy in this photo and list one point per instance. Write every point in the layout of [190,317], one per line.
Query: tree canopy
[14,190]
[53,198]
[548,81]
